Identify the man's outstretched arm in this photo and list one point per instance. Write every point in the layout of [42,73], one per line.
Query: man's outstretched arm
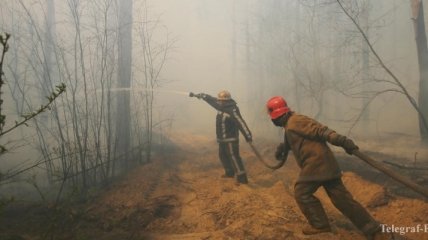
[207,98]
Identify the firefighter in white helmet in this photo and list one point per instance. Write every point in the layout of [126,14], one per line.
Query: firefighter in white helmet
[228,124]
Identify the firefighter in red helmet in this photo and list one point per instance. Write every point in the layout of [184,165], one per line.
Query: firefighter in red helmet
[228,124]
[307,139]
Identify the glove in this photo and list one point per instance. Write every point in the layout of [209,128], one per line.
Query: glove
[342,141]
[280,152]
[349,146]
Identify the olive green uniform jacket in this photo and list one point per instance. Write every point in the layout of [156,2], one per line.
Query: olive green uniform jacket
[307,139]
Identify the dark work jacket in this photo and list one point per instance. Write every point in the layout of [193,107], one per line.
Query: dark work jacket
[307,139]
[228,121]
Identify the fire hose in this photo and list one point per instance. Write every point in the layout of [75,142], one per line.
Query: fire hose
[398,177]
[256,152]
[261,159]
[394,175]
[389,172]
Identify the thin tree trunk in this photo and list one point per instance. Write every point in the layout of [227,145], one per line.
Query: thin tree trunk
[422,117]
[365,58]
[421,44]
[296,73]
[123,120]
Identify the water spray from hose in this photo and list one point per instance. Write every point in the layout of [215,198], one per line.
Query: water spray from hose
[144,90]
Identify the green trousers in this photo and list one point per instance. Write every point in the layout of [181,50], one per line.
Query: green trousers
[341,198]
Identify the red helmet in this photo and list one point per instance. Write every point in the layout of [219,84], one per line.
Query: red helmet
[277,107]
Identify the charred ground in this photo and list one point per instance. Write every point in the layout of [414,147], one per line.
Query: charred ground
[180,195]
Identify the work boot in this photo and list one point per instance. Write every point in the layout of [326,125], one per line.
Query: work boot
[317,218]
[242,178]
[310,230]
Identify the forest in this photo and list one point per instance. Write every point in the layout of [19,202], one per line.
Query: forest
[100,138]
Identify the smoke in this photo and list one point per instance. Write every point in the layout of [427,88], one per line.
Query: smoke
[144,90]
[254,49]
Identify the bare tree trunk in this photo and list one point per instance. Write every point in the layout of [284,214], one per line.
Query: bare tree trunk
[318,81]
[296,73]
[421,44]
[365,58]
[400,87]
[123,120]
[154,57]
[47,66]
[249,70]
[48,49]
[234,41]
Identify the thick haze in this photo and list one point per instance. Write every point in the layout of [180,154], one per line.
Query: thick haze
[247,47]
[202,59]
[210,55]
[306,51]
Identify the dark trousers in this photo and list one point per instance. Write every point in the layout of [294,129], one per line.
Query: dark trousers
[231,160]
[342,199]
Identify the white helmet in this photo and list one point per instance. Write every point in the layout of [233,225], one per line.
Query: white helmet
[224,95]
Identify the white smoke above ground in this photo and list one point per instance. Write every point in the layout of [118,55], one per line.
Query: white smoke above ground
[310,54]
[254,49]
[250,48]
